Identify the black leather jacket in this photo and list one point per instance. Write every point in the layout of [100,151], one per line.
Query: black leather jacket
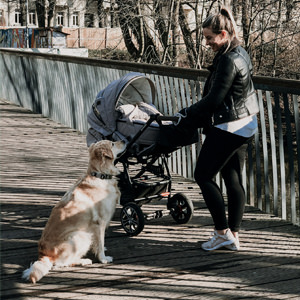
[229,93]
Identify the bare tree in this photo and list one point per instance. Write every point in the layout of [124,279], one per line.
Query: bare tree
[188,38]
[274,36]
[137,37]
[40,7]
[169,31]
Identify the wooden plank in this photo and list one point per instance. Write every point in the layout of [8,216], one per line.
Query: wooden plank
[265,152]
[175,110]
[258,172]
[173,95]
[184,102]
[251,175]
[296,103]
[159,93]
[165,110]
[170,108]
[194,147]
[290,152]
[171,111]
[180,106]
[281,157]
[188,154]
[273,153]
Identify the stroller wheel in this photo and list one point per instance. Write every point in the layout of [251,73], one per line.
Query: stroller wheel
[181,207]
[132,219]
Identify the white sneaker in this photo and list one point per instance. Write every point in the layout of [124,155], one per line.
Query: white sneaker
[217,241]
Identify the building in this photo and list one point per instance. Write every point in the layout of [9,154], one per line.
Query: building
[76,13]
[86,25]
[32,38]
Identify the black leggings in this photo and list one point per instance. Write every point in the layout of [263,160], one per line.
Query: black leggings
[225,152]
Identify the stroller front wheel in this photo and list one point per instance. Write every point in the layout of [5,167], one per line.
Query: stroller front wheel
[181,208]
[132,219]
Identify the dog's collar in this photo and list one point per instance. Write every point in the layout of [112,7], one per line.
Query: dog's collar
[103,176]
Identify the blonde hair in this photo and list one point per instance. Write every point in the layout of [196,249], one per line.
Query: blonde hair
[222,21]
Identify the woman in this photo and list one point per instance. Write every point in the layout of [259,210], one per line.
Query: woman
[227,112]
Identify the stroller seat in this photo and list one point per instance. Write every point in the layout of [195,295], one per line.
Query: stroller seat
[133,117]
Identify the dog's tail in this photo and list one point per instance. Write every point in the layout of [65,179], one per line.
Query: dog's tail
[38,269]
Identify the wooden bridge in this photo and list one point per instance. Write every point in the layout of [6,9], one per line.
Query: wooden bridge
[40,159]
[63,89]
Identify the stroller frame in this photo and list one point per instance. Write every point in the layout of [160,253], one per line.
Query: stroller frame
[150,183]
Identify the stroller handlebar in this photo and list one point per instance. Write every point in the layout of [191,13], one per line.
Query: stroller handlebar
[166,118]
[158,118]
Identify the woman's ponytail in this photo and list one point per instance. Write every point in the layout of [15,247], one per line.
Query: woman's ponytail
[222,21]
[228,14]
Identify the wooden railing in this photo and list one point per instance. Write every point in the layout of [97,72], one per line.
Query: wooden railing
[63,88]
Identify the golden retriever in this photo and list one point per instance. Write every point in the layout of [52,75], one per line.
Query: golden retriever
[78,222]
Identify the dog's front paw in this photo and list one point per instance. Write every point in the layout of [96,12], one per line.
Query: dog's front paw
[106,259]
[85,261]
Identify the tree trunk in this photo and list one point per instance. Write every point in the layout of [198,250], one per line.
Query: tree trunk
[51,11]
[160,24]
[246,23]
[134,30]
[289,8]
[23,14]
[175,33]
[100,13]
[165,38]
[188,39]
[277,30]
[125,28]
[41,12]
[142,33]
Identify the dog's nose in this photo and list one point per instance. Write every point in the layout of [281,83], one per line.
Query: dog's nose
[122,147]
[120,143]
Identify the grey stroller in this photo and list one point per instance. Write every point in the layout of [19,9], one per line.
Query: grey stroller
[124,110]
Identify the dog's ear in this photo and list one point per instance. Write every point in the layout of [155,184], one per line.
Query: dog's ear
[108,153]
[101,152]
[91,147]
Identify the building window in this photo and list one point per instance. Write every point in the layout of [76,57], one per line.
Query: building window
[31,18]
[88,20]
[75,19]
[17,17]
[60,18]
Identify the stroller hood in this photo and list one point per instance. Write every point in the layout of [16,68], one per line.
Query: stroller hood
[132,88]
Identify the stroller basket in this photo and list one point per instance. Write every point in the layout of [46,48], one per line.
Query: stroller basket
[146,186]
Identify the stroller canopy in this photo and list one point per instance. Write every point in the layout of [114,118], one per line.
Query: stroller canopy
[132,88]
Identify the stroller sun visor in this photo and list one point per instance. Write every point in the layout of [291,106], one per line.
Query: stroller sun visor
[137,91]
[133,88]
